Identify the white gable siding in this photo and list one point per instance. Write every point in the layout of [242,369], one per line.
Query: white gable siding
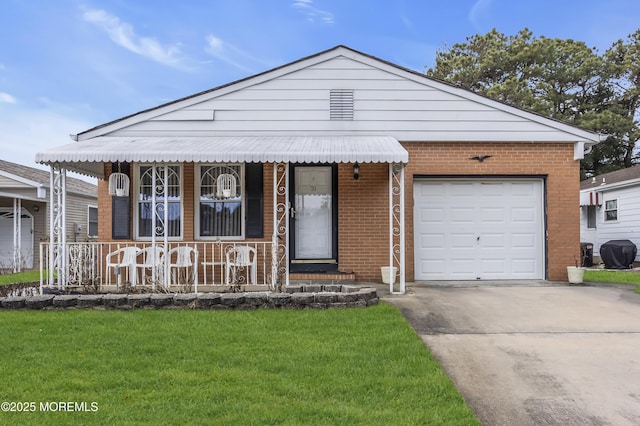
[6,182]
[387,101]
[627,227]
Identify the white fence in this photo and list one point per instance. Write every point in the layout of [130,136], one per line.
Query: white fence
[181,265]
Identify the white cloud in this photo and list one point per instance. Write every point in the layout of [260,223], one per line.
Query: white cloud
[480,13]
[312,13]
[124,35]
[28,131]
[214,43]
[7,98]
[231,54]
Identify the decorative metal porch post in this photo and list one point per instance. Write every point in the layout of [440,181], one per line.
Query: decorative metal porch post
[154,277]
[17,235]
[280,257]
[165,222]
[57,226]
[396,225]
[160,210]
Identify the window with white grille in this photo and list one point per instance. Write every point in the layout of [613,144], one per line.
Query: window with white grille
[610,210]
[145,200]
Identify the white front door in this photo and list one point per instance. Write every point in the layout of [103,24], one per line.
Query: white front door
[313,212]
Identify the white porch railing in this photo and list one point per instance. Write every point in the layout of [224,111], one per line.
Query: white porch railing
[182,266]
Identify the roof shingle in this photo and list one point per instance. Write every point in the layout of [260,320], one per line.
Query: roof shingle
[611,177]
[77,186]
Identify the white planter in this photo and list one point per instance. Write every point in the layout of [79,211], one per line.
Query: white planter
[388,274]
[575,274]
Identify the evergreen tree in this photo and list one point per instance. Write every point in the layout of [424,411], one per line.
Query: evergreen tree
[561,79]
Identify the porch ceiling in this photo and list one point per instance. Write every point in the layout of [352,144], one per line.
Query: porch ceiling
[88,156]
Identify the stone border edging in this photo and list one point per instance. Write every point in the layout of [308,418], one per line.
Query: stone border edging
[295,297]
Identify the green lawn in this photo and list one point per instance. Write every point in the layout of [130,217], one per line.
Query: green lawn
[338,366]
[609,276]
[20,277]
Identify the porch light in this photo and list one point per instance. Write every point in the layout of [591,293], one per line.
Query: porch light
[119,184]
[356,171]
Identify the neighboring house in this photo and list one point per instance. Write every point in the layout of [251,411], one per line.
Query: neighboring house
[24,193]
[610,208]
[345,163]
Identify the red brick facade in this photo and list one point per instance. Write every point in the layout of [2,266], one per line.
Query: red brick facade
[364,214]
[555,161]
[363,204]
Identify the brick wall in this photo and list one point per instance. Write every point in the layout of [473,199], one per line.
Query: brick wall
[363,205]
[363,220]
[188,206]
[104,206]
[363,223]
[555,160]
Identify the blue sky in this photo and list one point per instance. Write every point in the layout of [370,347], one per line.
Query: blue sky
[69,65]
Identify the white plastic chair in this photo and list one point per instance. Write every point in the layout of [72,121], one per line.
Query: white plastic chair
[151,258]
[122,258]
[183,257]
[241,258]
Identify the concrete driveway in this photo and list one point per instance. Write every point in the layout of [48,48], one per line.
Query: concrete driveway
[534,353]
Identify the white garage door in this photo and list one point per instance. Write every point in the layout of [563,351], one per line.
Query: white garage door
[478,229]
[6,240]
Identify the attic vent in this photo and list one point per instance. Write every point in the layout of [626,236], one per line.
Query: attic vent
[341,104]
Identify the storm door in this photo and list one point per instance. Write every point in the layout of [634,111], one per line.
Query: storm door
[313,219]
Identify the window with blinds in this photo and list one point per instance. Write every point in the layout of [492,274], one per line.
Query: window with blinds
[220,201]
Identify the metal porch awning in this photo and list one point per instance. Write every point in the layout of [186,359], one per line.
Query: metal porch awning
[590,198]
[89,155]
